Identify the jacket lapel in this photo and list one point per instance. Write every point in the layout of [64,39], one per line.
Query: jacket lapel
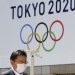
[12,73]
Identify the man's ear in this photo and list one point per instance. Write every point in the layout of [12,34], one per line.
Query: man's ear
[12,62]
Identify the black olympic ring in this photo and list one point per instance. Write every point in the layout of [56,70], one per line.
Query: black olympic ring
[40,41]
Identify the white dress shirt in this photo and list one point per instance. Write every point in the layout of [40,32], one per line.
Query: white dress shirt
[16,73]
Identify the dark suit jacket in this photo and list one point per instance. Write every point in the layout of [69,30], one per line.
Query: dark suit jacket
[10,72]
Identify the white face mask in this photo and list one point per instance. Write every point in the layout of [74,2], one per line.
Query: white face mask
[21,68]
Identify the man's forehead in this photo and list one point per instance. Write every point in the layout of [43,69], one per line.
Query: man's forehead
[21,57]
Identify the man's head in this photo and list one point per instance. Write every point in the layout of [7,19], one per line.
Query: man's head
[18,60]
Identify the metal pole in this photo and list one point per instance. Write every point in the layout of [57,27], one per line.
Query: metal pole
[32,64]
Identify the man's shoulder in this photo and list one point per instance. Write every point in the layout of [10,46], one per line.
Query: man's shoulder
[9,72]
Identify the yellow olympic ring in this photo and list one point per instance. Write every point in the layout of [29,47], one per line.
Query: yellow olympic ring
[38,45]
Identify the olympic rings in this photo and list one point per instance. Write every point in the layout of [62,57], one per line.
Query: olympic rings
[21,34]
[37,37]
[50,32]
[62,30]
[39,43]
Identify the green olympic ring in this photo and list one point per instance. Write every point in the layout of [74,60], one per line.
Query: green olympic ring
[48,50]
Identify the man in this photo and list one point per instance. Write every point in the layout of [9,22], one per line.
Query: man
[18,61]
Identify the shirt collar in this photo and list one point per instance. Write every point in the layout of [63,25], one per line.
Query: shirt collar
[16,73]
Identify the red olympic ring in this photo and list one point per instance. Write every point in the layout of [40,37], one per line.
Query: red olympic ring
[57,39]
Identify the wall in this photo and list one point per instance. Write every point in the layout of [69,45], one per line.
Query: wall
[65,69]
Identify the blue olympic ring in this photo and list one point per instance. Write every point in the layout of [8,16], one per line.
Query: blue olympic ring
[21,34]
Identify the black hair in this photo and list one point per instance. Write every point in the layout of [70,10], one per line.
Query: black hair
[17,53]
